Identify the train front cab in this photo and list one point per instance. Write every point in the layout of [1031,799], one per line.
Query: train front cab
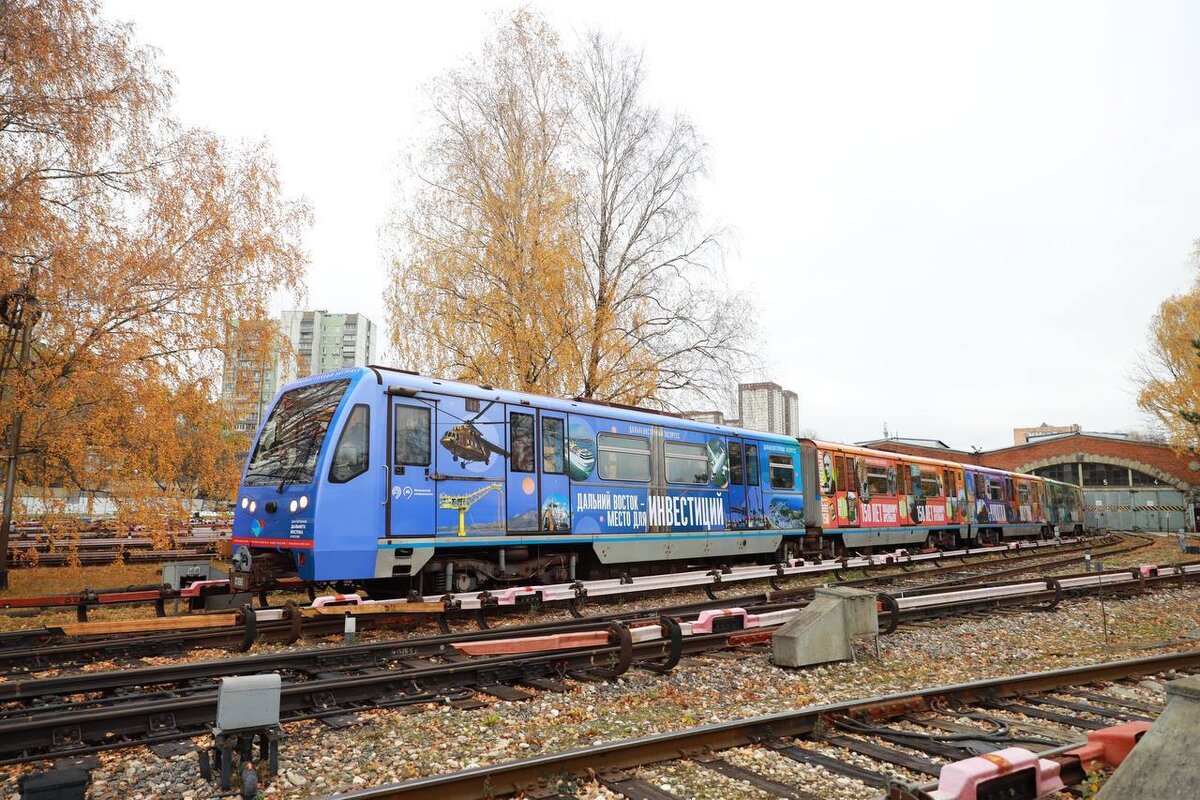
[308,493]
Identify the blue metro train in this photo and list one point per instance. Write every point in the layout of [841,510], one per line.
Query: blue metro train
[394,481]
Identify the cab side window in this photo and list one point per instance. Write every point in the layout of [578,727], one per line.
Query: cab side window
[412,436]
[353,455]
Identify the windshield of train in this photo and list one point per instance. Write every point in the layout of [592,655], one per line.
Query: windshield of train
[291,440]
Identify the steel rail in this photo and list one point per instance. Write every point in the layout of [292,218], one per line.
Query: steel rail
[895,608]
[514,776]
[44,649]
[183,708]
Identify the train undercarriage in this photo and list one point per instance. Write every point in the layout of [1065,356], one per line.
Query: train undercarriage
[468,570]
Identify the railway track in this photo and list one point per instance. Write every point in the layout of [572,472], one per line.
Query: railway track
[891,745]
[75,645]
[77,714]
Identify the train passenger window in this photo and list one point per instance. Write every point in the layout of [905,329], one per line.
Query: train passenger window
[1023,492]
[623,458]
[737,475]
[412,436]
[877,479]
[752,465]
[851,475]
[995,489]
[930,485]
[686,463]
[520,440]
[553,444]
[352,455]
[783,472]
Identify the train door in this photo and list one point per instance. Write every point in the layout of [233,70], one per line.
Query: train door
[554,515]
[754,496]
[738,518]
[950,491]
[412,501]
[961,514]
[847,478]
[521,471]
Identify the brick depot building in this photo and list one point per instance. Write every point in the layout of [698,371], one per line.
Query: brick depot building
[1126,483]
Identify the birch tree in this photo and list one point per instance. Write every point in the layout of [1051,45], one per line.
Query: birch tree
[662,321]
[1170,379]
[550,238]
[480,288]
[141,238]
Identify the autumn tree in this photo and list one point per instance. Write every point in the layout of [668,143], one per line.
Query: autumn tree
[1170,379]
[661,320]
[549,238]
[487,248]
[141,238]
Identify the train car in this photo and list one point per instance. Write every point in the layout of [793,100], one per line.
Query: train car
[870,498]
[395,481]
[1064,506]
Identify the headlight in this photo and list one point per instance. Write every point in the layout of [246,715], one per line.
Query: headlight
[304,501]
[245,502]
[293,506]
[253,505]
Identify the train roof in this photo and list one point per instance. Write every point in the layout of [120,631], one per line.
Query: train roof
[391,376]
[940,462]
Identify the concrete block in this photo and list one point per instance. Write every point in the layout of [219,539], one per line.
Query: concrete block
[824,630]
[860,608]
[1163,765]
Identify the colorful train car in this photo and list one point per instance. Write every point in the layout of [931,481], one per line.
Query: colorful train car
[877,498]
[394,481]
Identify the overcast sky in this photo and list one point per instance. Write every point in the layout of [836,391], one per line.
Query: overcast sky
[957,218]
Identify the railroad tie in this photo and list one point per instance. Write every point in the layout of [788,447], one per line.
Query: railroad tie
[633,788]
[818,759]
[753,778]
[891,755]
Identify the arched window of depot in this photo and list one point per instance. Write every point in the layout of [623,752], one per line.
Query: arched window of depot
[1093,475]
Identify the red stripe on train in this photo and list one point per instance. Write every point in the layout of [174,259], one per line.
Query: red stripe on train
[299,544]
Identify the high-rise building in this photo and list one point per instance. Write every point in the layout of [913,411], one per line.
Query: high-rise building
[324,341]
[251,372]
[769,407]
[309,342]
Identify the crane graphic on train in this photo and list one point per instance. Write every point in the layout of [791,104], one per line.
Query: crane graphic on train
[466,443]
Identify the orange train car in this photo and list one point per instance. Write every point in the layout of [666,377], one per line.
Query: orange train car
[858,498]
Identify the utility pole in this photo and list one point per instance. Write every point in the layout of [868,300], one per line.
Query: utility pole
[18,310]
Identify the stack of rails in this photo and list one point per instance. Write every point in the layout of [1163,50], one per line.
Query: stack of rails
[98,544]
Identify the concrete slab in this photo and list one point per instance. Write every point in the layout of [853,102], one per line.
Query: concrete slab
[1163,765]
[825,629]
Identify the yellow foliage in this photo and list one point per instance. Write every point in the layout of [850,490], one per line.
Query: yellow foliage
[548,238]
[1171,383]
[141,238]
